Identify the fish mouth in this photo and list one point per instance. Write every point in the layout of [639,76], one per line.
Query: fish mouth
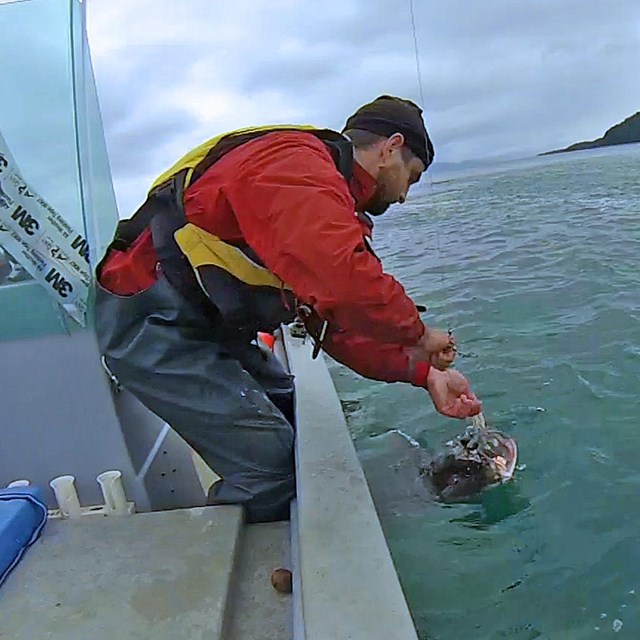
[506,459]
[475,460]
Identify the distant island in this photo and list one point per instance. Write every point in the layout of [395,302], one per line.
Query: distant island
[625,132]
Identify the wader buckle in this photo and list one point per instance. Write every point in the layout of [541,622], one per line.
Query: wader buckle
[298,328]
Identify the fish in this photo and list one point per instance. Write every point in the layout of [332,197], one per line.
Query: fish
[404,477]
[477,459]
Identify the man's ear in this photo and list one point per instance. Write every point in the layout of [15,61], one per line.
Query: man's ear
[393,143]
[396,141]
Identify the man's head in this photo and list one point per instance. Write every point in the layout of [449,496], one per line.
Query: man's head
[391,142]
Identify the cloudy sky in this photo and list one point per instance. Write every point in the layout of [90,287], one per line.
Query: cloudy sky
[500,77]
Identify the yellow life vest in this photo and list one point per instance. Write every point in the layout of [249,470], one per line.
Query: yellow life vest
[203,248]
[196,157]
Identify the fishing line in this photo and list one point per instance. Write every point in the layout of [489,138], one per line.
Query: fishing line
[416,51]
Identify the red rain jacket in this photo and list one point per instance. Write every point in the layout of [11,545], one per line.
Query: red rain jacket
[282,194]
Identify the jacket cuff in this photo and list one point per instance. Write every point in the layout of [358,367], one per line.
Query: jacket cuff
[420,373]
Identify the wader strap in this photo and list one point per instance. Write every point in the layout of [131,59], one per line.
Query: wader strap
[167,215]
[342,152]
[160,200]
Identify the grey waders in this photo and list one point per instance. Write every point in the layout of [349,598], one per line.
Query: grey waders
[227,398]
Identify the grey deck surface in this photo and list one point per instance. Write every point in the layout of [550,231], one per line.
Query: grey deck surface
[257,611]
[150,576]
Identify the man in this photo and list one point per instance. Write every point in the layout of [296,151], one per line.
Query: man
[245,232]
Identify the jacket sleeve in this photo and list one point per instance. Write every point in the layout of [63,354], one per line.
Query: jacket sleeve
[371,359]
[375,360]
[296,212]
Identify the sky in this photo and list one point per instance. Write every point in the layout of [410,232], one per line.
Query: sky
[500,78]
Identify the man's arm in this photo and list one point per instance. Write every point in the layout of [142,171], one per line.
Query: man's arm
[296,212]
[448,389]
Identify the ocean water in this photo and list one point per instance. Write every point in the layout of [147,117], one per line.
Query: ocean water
[535,265]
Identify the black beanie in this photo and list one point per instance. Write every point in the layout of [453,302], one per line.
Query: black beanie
[387,115]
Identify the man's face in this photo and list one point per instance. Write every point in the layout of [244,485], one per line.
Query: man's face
[399,169]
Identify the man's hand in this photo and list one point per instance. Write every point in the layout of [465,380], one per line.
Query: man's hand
[437,348]
[451,394]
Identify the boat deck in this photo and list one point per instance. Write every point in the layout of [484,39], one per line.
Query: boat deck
[189,573]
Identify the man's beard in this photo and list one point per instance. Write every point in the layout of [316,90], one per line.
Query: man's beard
[377,205]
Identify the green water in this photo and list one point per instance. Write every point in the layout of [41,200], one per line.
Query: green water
[537,269]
